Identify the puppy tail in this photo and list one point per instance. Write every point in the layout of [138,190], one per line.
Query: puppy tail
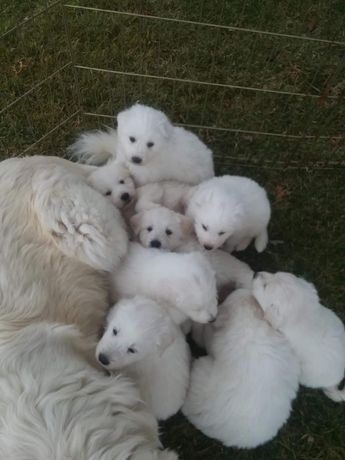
[336,393]
[94,147]
[261,241]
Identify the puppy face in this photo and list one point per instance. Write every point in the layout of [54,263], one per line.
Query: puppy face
[114,182]
[283,296]
[216,217]
[135,329]
[142,133]
[161,228]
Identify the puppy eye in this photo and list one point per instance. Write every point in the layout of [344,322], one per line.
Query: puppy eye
[168,232]
[115,331]
[221,233]
[108,193]
[132,139]
[131,350]
[121,181]
[149,229]
[150,144]
[204,227]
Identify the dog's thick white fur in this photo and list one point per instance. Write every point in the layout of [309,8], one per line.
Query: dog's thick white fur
[114,181]
[232,210]
[315,333]
[141,338]
[56,406]
[241,393]
[151,147]
[169,194]
[59,239]
[184,283]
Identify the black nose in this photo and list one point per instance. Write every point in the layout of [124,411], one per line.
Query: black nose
[208,247]
[125,197]
[213,319]
[103,359]
[137,160]
[155,244]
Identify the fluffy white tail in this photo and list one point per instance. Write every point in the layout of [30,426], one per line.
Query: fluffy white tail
[261,241]
[95,147]
[336,393]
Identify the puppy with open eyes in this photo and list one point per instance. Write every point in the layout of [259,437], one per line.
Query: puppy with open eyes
[315,333]
[141,339]
[230,211]
[150,146]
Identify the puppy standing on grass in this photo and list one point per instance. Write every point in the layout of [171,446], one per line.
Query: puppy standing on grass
[315,333]
[141,338]
[241,393]
[150,146]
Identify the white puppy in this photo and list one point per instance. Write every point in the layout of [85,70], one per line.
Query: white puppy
[115,182]
[141,338]
[170,194]
[315,333]
[241,393]
[151,147]
[184,283]
[231,210]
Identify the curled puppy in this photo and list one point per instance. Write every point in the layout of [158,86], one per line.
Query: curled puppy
[241,393]
[315,333]
[183,283]
[232,210]
[151,147]
[115,182]
[141,338]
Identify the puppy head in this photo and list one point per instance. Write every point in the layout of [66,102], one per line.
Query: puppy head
[135,328]
[114,182]
[283,296]
[161,228]
[216,216]
[142,133]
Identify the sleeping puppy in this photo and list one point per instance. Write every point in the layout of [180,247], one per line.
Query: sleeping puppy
[241,393]
[315,333]
[141,339]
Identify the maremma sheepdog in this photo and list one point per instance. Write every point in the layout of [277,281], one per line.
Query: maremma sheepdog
[232,210]
[241,393]
[60,240]
[141,339]
[315,333]
[151,147]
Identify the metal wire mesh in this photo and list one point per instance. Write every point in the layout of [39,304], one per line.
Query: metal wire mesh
[261,97]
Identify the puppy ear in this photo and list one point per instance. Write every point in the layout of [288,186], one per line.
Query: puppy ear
[186,225]
[166,335]
[135,222]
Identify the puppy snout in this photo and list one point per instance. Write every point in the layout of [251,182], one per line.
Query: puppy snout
[155,244]
[208,247]
[103,359]
[125,197]
[137,160]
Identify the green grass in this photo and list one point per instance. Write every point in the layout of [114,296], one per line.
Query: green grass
[307,229]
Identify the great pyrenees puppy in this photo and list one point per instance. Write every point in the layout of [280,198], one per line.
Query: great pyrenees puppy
[232,210]
[141,339]
[241,393]
[315,333]
[169,194]
[183,283]
[54,405]
[152,148]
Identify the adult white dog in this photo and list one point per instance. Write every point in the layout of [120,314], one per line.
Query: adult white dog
[60,239]
[241,393]
[232,210]
[315,333]
[141,339]
[151,147]
[183,283]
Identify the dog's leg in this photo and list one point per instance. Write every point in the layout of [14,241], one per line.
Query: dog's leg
[336,393]
[261,241]
[81,222]
[243,244]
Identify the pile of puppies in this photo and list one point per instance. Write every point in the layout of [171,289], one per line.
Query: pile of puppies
[270,333]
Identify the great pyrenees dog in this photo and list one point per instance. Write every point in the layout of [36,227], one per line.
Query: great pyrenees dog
[315,333]
[150,146]
[60,240]
[232,210]
[141,339]
[241,393]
